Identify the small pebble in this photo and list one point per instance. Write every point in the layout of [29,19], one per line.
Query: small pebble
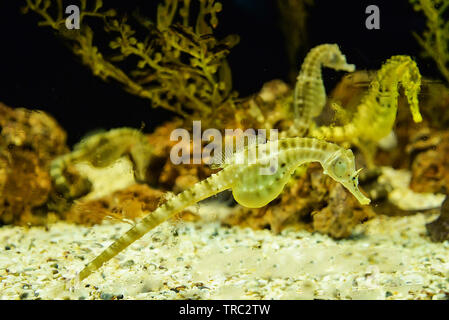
[106,296]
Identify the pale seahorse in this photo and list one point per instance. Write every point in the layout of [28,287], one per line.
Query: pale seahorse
[309,97]
[375,116]
[243,175]
[101,150]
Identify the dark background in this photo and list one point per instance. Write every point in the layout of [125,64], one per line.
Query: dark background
[38,71]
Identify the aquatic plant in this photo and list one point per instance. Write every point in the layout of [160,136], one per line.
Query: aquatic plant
[179,67]
[309,96]
[101,150]
[293,23]
[124,205]
[242,174]
[435,39]
[375,116]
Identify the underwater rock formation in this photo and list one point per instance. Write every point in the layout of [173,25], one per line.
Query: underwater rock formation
[29,140]
[430,167]
[126,204]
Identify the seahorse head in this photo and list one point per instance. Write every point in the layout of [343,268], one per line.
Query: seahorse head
[334,59]
[340,166]
[404,70]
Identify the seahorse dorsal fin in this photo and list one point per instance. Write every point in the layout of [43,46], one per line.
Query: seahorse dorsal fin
[230,149]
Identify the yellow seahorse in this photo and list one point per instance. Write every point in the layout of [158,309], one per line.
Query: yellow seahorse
[242,174]
[376,114]
[309,97]
[101,150]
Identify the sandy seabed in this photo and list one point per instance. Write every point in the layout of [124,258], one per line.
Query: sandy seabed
[386,258]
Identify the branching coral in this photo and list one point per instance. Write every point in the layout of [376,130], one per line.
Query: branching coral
[435,39]
[430,167]
[178,67]
[439,229]
[29,140]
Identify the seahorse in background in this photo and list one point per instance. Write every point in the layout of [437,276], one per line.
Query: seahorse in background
[101,150]
[375,116]
[249,187]
[309,97]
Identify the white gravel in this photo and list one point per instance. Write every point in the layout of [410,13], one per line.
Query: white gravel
[387,258]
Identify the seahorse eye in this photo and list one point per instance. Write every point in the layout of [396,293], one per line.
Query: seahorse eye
[340,167]
[333,59]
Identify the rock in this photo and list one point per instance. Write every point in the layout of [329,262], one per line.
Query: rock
[32,130]
[439,229]
[126,204]
[341,215]
[106,296]
[29,140]
[430,167]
